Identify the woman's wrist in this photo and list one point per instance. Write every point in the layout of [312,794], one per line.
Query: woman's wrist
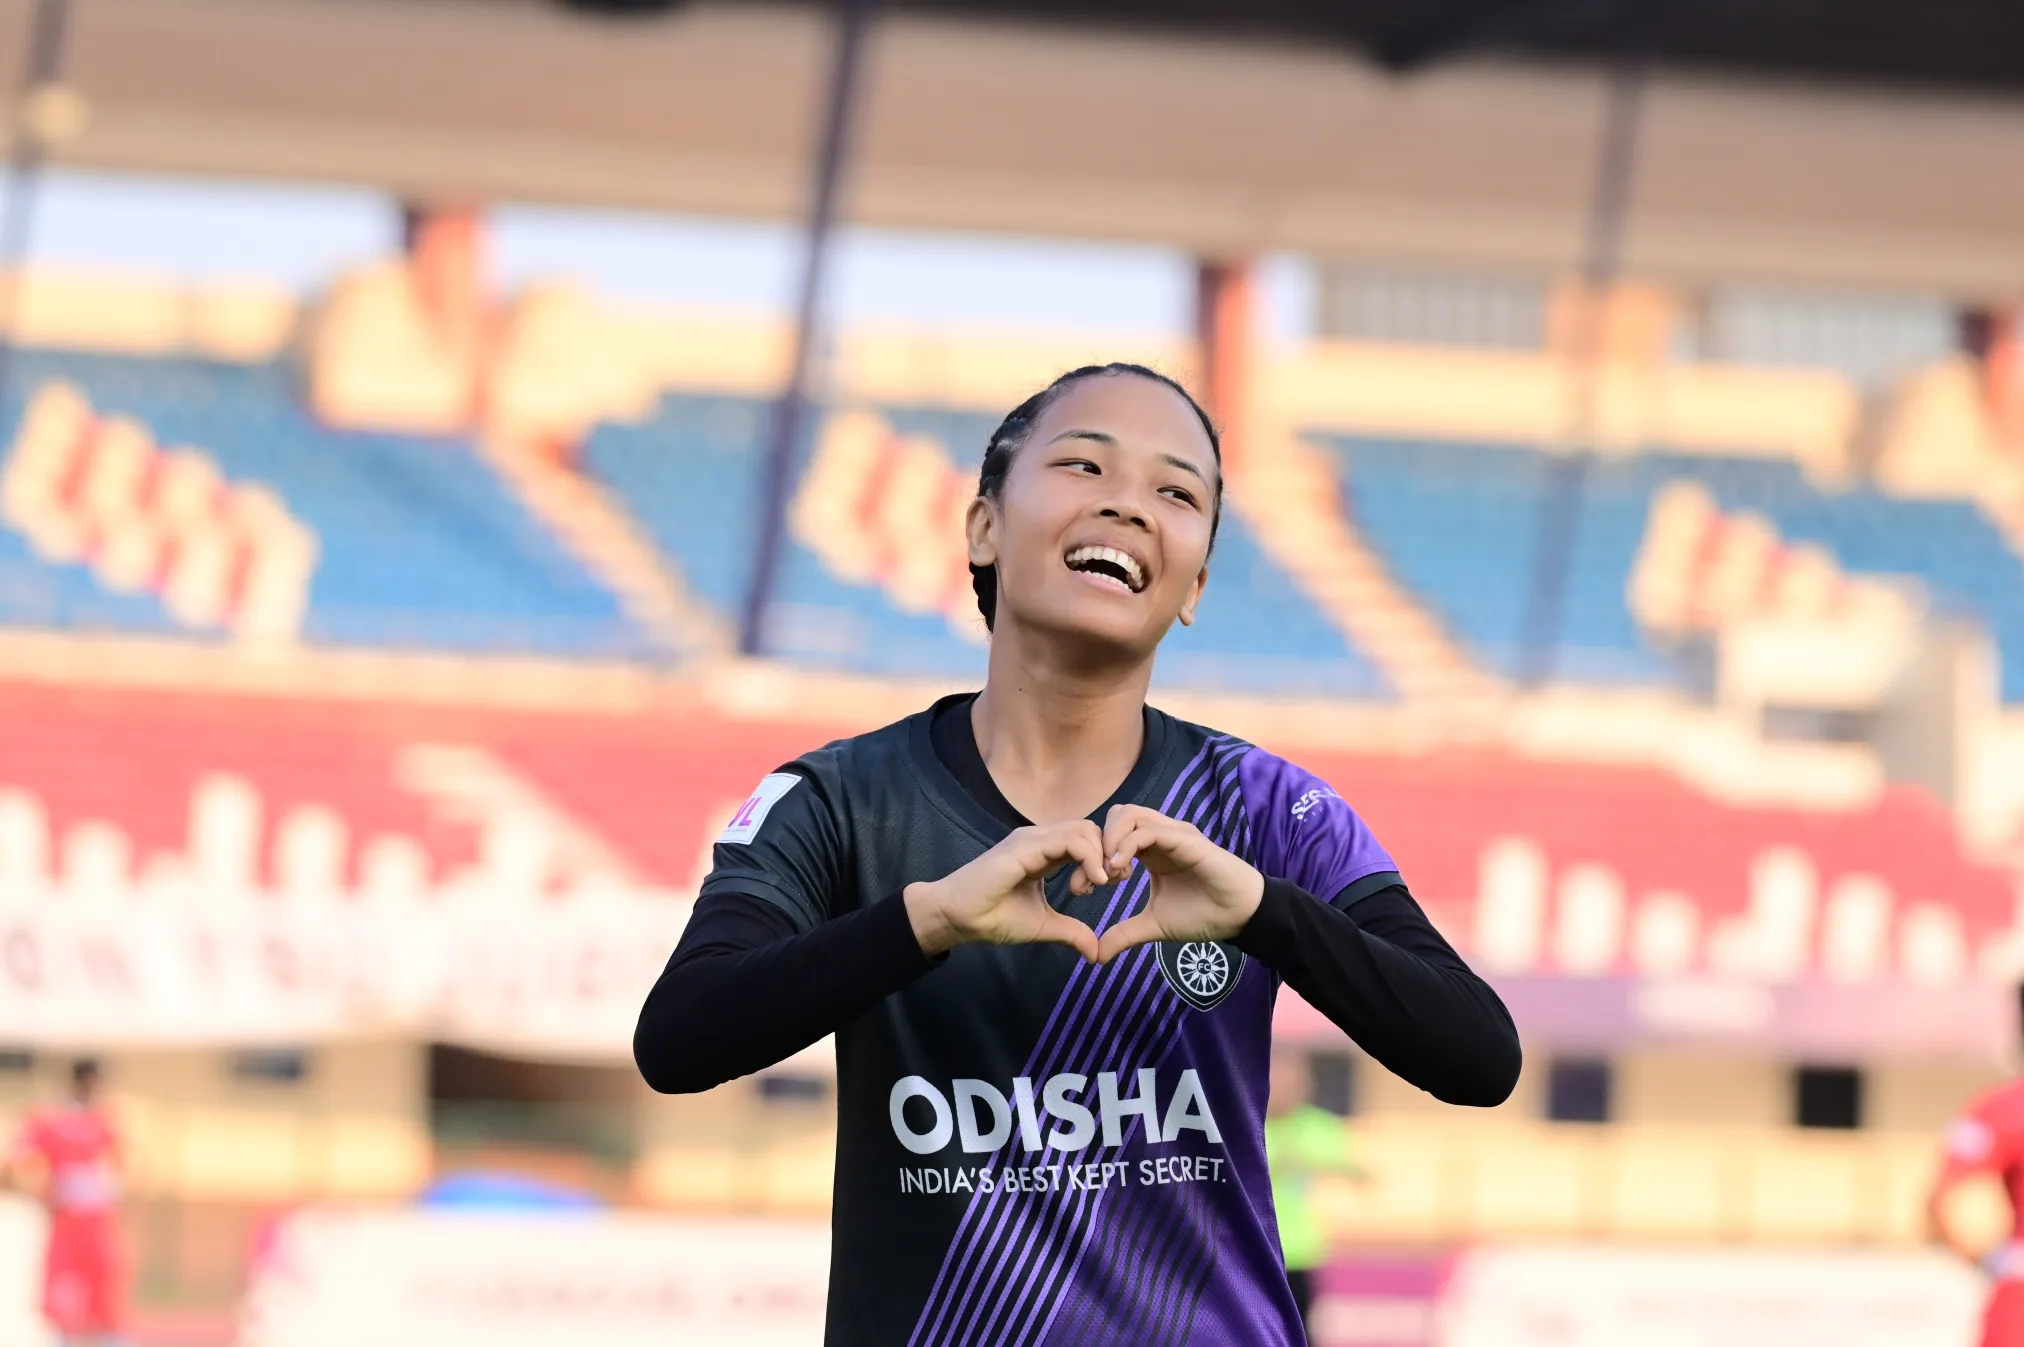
[926,914]
[1252,891]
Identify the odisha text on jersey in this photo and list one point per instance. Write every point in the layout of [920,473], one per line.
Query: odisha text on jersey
[979,1116]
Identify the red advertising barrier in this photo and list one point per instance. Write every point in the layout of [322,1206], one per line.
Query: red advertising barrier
[1609,901]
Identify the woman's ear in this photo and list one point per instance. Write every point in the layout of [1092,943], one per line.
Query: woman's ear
[980,526]
[1194,597]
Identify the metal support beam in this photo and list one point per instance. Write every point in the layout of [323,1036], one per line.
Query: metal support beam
[39,109]
[1559,518]
[791,416]
[1225,300]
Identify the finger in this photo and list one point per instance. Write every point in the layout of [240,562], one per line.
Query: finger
[1121,819]
[1044,849]
[1166,844]
[1058,929]
[1143,929]
[1147,837]
[1084,844]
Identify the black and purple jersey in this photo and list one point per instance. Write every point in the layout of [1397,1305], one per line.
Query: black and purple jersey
[1033,1149]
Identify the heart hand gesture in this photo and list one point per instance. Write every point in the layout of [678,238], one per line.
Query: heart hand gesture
[1000,898]
[1198,890]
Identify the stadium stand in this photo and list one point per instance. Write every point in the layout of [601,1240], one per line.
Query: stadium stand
[416,541]
[875,579]
[1456,522]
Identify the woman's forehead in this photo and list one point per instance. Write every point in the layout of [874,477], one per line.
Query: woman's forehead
[1134,412]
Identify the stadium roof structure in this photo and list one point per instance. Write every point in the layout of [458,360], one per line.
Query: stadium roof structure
[1961,43]
[1866,142]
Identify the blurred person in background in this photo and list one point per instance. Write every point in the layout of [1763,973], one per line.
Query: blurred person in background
[1304,1143]
[70,1155]
[1988,1138]
[1047,923]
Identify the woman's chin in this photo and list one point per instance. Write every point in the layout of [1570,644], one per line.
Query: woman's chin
[1098,637]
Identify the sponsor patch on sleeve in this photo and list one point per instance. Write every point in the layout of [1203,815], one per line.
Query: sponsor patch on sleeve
[744,825]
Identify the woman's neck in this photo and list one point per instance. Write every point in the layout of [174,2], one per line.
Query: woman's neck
[1058,740]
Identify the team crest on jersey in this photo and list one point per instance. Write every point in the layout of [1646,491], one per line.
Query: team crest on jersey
[1202,972]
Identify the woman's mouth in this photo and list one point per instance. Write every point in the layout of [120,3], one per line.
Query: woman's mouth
[1108,564]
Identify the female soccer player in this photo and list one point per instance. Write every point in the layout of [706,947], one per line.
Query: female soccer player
[77,1150]
[1047,923]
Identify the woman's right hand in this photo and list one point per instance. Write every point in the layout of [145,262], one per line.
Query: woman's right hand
[1000,898]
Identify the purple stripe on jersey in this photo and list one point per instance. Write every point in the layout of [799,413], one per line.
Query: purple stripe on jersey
[1302,831]
[1049,1235]
[948,1292]
[1148,1047]
[1172,1245]
[1046,1052]
[993,1235]
[1213,1259]
[1081,1210]
[1144,1046]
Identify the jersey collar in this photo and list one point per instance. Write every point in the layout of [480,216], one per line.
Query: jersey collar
[939,780]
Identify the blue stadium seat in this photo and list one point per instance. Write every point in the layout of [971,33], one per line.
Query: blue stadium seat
[1457,524]
[34,593]
[420,543]
[692,474]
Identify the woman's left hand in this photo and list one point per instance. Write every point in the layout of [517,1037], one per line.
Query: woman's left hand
[1198,890]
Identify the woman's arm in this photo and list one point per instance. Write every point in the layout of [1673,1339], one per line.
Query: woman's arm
[1941,1230]
[1384,976]
[744,989]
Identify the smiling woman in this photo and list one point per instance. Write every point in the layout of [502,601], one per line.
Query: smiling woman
[1048,923]
[1017,427]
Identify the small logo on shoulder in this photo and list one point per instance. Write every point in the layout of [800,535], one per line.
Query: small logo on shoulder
[1306,804]
[1202,972]
[744,824]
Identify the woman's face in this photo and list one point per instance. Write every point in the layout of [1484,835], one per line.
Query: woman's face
[1101,530]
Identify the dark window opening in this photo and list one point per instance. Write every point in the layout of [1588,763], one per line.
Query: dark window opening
[270,1066]
[1333,1076]
[1578,1090]
[560,1120]
[1827,1096]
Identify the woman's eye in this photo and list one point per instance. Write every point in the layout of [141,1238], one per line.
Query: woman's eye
[1081,465]
[1180,493]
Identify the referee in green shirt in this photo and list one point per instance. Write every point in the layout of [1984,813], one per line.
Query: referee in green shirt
[1303,1141]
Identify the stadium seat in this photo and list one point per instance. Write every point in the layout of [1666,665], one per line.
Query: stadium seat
[1458,522]
[869,581]
[417,543]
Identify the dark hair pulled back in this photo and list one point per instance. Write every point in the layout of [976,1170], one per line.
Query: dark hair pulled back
[1010,437]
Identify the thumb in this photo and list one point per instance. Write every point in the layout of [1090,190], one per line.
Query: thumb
[1142,929]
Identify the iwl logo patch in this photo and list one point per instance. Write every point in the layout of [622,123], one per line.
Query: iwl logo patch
[1202,972]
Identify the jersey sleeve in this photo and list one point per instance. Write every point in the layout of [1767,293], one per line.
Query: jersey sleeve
[1975,1143]
[787,844]
[1306,834]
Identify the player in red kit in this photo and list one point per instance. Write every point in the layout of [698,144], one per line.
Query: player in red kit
[77,1154]
[1989,1139]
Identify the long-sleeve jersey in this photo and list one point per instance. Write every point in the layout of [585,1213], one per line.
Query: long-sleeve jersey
[1031,1148]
